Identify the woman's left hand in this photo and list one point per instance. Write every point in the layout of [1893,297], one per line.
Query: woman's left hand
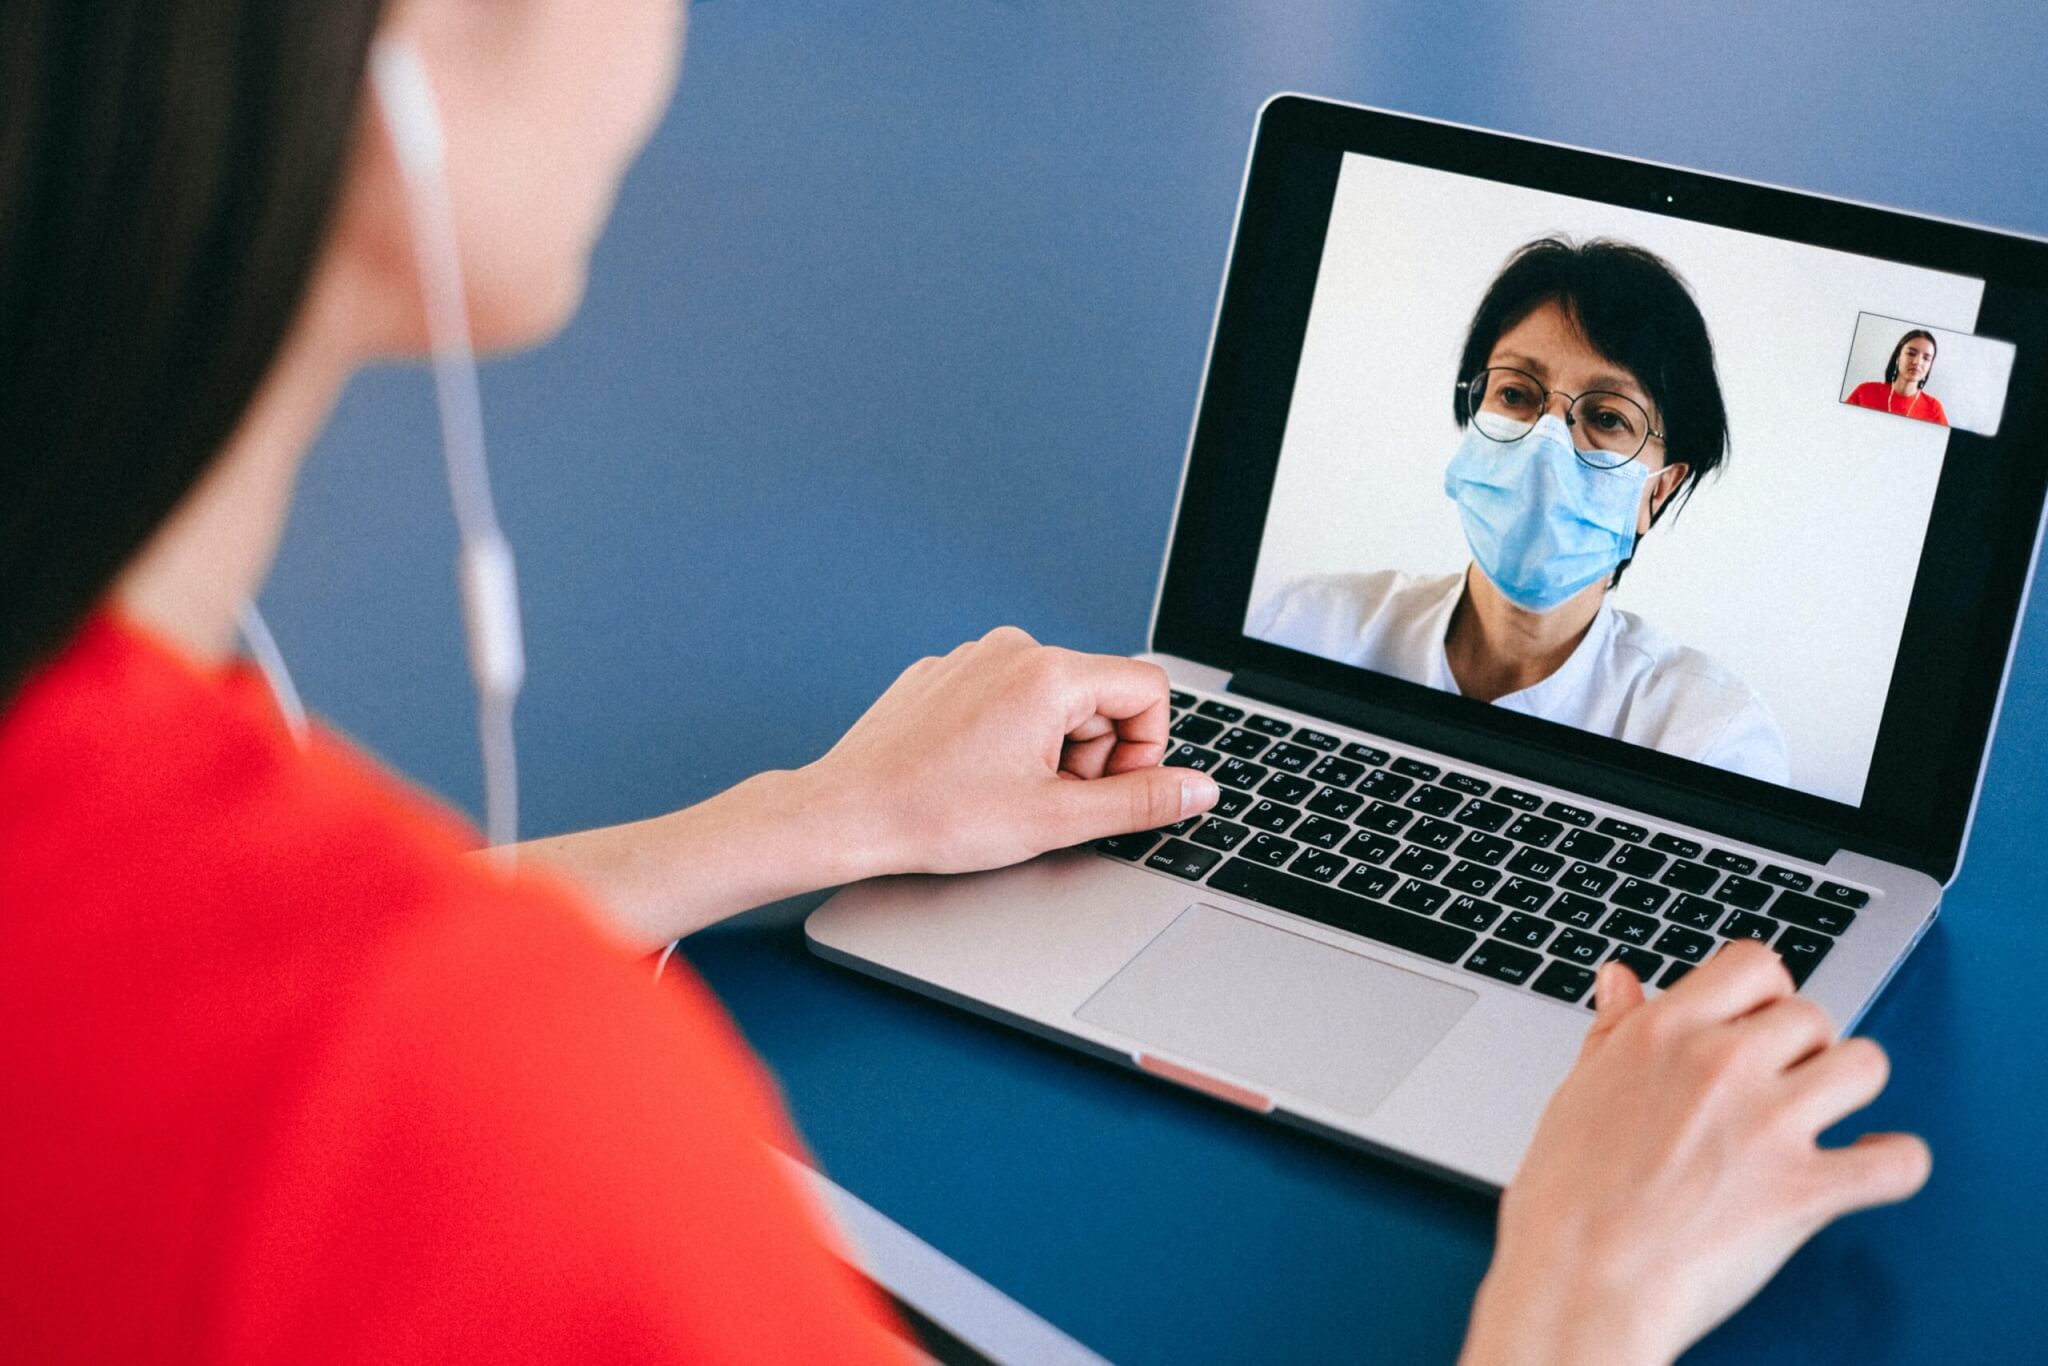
[1006,748]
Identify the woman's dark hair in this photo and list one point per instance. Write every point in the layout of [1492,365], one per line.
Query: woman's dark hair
[168,170]
[1635,310]
[1891,367]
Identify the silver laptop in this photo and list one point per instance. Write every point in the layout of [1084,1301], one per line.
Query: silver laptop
[1576,558]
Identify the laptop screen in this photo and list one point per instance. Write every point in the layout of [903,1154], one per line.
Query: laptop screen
[1652,478]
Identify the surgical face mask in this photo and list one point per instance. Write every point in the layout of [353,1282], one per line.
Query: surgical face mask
[1542,524]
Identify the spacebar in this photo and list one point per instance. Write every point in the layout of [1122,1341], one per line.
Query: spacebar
[1430,938]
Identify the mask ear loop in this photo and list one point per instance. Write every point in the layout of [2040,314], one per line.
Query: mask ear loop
[490,596]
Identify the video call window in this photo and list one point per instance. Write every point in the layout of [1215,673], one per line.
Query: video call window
[1591,464]
[1893,364]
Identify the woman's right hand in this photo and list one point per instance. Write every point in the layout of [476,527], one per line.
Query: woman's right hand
[1677,1167]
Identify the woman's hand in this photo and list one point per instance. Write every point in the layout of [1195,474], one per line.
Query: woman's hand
[1006,748]
[1676,1168]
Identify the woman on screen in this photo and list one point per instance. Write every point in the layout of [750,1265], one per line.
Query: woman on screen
[1903,392]
[1590,405]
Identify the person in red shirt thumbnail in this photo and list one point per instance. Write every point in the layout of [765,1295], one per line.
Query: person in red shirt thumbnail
[1903,392]
[289,1074]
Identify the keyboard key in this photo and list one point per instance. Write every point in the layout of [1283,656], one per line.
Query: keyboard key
[1731,861]
[1322,832]
[1286,787]
[1181,699]
[1192,756]
[1525,930]
[1388,820]
[1291,757]
[1534,830]
[1224,835]
[1415,768]
[1370,848]
[1673,973]
[1812,913]
[1422,863]
[1199,730]
[1504,961]
[1745,925]
[1434,833]
[1630,928]
[1484,848]
[1485,815]
[1271,815]
[1130,848]
[1515,797]
[1636,861]
[1676,845]
[1842,896]
[1523,894]
[1342,772]
[1183,859]
[1179,827]
[1373,882]
[1745,892]
[1364,754]
[1222,711]
[1270,850]
[1584,877]
[1537,863]
[1638,895]
[1230,802]
[1433,801]
[1385,785]
[1465,783]
[1418,896]
[1470,912]
[1641,962]
[1786,877]
[1622,830]
[1802,951]
[1573,909]
[1320,864]
[1565,981]
[1315,739]
[1696,911]
[1241,774]
[1585,846]
[1689,877]
[1475,879]
[1679,942]
[1578,946]
[1243,743]
[1335,803]
[1331,906]
[1570,815]
[1266,725]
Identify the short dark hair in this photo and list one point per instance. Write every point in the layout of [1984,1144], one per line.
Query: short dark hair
[1635,310]
[1891,367]
[168,170]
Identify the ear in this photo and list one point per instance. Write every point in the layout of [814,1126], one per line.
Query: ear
[1656,492]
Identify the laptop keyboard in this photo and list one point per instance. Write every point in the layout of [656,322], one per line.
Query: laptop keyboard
[1509,884]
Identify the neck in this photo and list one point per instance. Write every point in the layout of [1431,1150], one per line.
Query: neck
[1905,388]
[1495,648]
[190,580]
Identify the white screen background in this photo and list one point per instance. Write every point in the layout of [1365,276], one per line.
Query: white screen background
[1792,566]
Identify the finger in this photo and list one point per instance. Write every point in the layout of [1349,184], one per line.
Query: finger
[1616,992]
[1087,758]
[1121,803]
[1877,1169]
[1836,1083]
[1787,1032]
[1741,977]
[1132,755]
[1130,692]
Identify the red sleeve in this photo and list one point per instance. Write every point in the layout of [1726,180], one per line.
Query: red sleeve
[514,1147]
[1940,413]
[1869,394]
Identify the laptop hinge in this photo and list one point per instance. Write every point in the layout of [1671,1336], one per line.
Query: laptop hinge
[1603,782]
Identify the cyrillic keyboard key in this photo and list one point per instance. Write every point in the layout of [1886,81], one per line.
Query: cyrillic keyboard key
[1418,896]
[1369,847]
[1388,820]
[1523,894]
[1342,772]
[1291,757]
[1422,863]
[1320,864]
[1537,863]
[1573,909]
[1745,892]
[1525,930]
[1695,911]
[1583,877]
[1638,895]
[1565,981]
[1630,927]
[1475,879]
[1470,912]
[1435,833]
[1484,815]
[1673,973]
[1484,848]
[1270,816]
[1433,801]
[1130,848]
[1812,913]
[1220,834]
[1689,877]
[1504,961]
[1243,743]
[1585,846]
[1746,925]
[1636,861]
[1231,802]
[1241,774]
[1534,830]
[1330,906]
[1578,947]
[1270,850]
[1183,859]
[1641,962]
[1192,756]
[1335,803]
[1385,785]
[1322,832]
[1679,942]
[1376,883]
[1286,787]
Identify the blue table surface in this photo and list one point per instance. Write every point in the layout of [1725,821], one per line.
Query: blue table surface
[896,336]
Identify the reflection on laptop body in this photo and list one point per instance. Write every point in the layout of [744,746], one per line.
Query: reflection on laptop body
[1576,559]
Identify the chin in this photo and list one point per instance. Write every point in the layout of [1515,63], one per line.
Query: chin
[517,316]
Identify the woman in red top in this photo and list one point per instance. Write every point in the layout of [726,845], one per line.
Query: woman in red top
[289,1077]
[1902,392]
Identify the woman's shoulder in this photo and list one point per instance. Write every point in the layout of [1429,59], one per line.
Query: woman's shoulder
[1692,704]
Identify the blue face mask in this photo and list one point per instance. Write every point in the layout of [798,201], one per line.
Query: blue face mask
[1542,523]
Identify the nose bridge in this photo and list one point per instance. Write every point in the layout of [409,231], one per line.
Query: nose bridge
[1559,402]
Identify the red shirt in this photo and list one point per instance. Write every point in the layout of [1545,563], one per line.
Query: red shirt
[286,1078]
[1877,394]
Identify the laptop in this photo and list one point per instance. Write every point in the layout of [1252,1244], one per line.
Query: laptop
[1481,722]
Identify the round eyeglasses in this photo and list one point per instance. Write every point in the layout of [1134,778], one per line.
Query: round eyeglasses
[1608,429]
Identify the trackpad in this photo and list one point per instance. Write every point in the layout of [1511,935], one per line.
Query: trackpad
[1284,1012]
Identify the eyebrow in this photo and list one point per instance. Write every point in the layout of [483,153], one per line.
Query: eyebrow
[1608,380]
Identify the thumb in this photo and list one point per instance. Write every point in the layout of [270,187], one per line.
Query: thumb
[1121,803]
[1616,991]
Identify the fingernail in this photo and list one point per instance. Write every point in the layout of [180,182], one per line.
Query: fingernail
[1601,978]
[1197,793]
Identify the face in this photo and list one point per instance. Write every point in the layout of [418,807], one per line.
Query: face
[1916,358]
[1549,345]
[544,104]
